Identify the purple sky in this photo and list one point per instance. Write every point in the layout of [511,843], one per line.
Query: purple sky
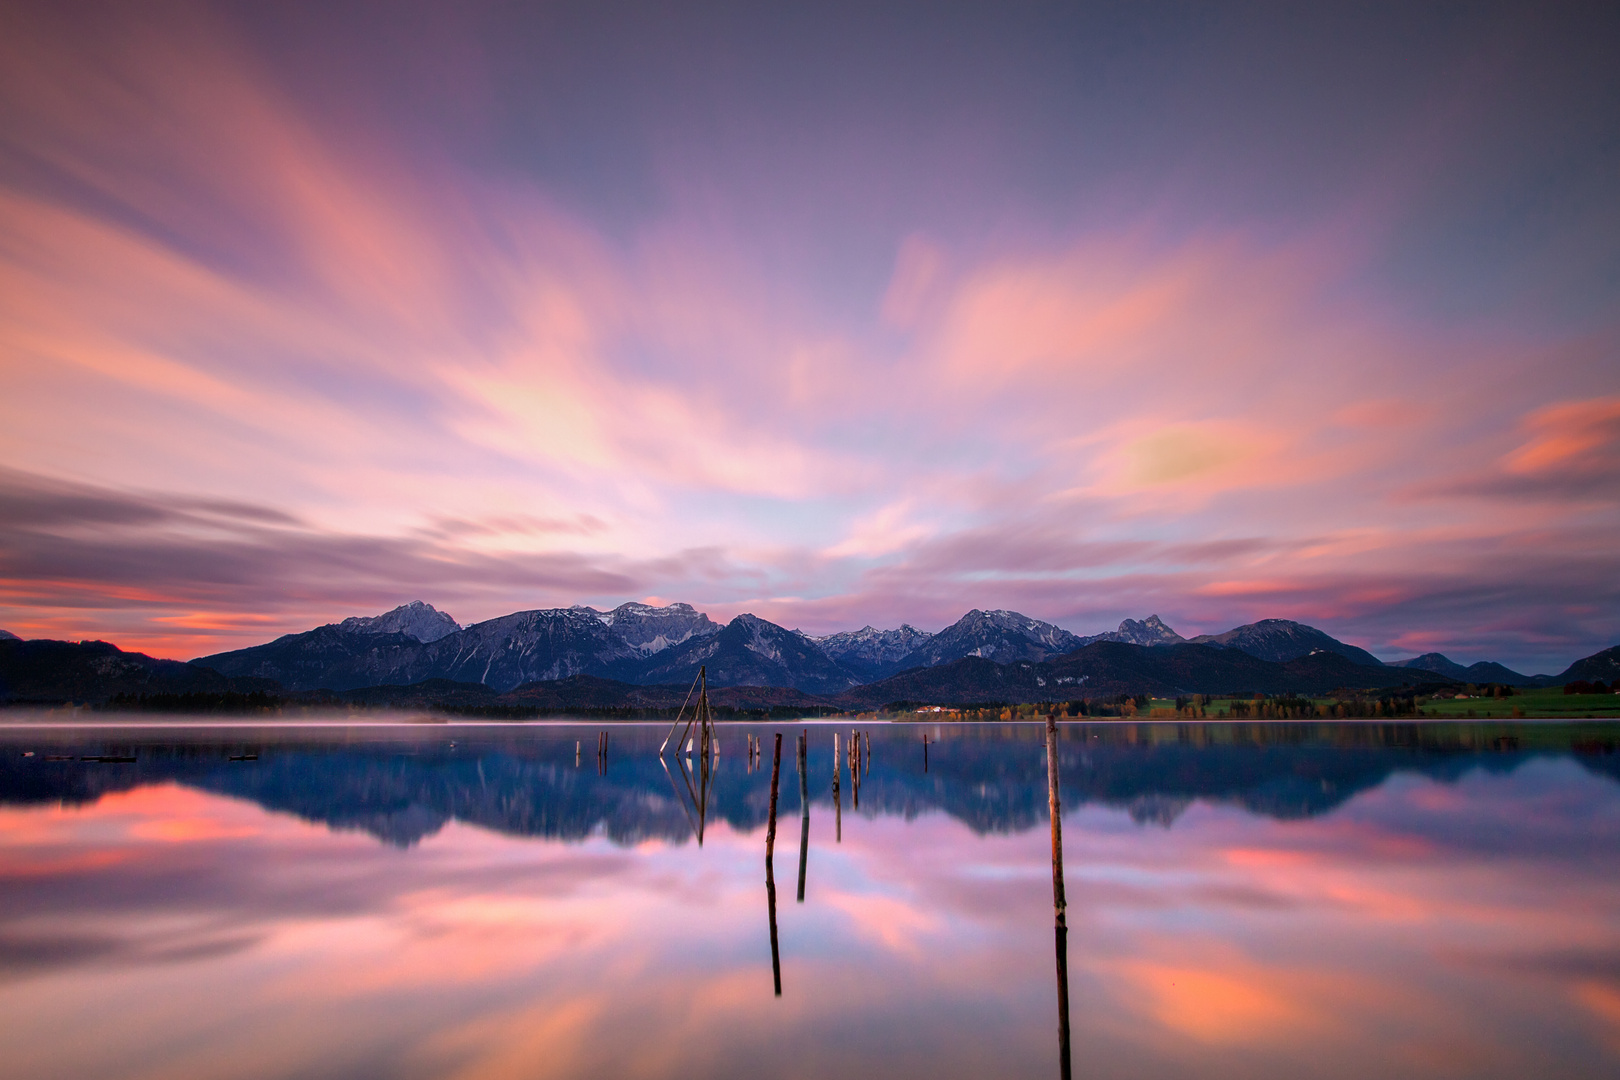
[837,316]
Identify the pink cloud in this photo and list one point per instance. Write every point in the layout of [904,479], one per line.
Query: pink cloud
[237,297]
[1573,436]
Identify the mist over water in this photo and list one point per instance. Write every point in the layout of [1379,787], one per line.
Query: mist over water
[436,900]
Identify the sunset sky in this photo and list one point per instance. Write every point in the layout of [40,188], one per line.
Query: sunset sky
[839,314]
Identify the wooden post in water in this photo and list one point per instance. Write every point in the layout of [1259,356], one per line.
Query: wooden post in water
[804,809]
[1060,903]
[698,776]
[770,874]
[776,775]
[577,744]
[855,769]
[925,751]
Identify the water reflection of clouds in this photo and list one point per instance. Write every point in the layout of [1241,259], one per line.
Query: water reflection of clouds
[1421,927]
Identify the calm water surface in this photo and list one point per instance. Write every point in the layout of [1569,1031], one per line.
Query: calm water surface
[464,901]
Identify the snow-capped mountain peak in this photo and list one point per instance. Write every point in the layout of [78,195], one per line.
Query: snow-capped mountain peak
[421,621]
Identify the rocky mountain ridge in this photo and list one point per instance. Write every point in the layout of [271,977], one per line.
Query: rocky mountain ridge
[1148,631]
[416,620]
[1002,636]
[649,629]
[644,644]
[871,653]
[749,660]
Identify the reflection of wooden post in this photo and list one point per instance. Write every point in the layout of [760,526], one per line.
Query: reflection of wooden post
[838,806]
[804,810]
[1060,903]
[770,873]
[770,903]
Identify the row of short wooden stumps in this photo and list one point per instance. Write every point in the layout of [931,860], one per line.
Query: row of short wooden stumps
[601,752]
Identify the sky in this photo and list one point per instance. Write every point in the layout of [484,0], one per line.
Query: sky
[837,314]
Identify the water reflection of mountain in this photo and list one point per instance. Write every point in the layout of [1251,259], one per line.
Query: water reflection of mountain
[403,784]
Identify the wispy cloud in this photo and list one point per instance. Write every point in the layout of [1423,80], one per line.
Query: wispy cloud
[358,362]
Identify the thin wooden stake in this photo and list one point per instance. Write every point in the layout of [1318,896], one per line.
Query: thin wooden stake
[1060,903]
[776,774]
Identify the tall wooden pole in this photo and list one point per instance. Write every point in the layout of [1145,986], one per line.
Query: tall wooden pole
[703,739]
[1060,903]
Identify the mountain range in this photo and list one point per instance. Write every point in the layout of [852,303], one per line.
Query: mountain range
[985,655]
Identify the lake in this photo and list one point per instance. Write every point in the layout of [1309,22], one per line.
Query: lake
[462,900]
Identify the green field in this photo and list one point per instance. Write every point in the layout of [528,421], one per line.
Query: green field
[1551,703]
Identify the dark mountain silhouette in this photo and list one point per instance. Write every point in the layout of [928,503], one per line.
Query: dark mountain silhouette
[501,653]
[1603,665]
[7,635]
[1435,662]
[327,656]
[1002,636]
[1489,671]
[1278,640]
[93,671]
[1483,672]
[749,651]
